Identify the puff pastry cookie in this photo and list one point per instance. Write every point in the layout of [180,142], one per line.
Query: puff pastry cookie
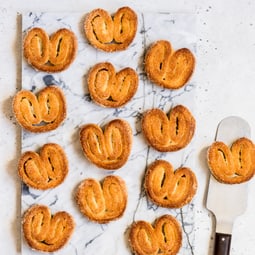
[45,170]
[102,202]
[232,165]
[168,133]
[50,54]
[167,187]
[41,113]
[111,33]
[108,148]
[169,68]
[111,89]
[165,237]
[46,232]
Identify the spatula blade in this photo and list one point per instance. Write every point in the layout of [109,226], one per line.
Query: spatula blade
[227,201]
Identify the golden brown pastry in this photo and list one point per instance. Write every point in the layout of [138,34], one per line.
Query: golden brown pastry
[165,237]
[232,165]
[102,202]
[41,113]
[111,89]
[111,33]
[168,133]
[108,148]
[50,54]
[167,187]
[169,68]
[45,170]
[46,232]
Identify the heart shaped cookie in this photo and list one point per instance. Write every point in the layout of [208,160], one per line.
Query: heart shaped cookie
[111,89]
[169,188]
[45,170]
[50,54]
[169,68]
[40,114]
[164,238]
[102,202]
[232,165]
[111,33]
[168,133]
[46,232]
[108,149]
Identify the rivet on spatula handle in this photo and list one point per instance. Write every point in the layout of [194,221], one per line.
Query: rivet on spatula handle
[222,244]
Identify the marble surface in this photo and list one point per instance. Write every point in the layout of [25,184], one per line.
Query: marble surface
[224,79]
[89,237]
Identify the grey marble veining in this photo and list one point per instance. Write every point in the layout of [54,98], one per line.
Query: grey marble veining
[112,238]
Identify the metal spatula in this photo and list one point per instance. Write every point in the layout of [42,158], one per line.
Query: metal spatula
[227,201]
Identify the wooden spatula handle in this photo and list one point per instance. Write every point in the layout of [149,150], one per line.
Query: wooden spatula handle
[222,244]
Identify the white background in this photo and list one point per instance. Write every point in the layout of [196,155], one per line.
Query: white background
[225,76]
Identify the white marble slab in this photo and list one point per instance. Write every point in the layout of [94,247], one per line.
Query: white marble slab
[90,238]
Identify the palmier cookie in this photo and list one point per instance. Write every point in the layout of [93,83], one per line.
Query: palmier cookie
[102,202]
[168,133]
[165,237]
[108,148]
[111,33]
[169,68]
[111,89]
[46,232]
[43,170]
[232,165]
[167,187]
[41,113]
[50,54]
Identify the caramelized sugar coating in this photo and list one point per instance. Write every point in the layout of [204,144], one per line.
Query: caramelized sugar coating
[111,33]
[169,68]
[50,54]
[167,187]
[232,165]
[44,170]
[102,202]
[111,89]
[41,113]
[108,148]
[165,237]
[168,133]
[46,232]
